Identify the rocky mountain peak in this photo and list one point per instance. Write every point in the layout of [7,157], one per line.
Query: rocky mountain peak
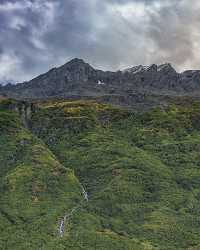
[75,70]
[166,67]
[135,69]
[78,78]
[76,61]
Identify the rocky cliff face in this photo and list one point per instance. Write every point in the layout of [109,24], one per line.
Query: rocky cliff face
[77,79]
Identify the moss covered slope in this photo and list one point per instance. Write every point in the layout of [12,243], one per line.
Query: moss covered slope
[36,190]
[141,173]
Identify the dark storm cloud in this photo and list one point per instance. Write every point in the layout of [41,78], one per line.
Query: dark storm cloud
[39,34]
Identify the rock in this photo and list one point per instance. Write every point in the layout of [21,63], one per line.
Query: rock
[77,79]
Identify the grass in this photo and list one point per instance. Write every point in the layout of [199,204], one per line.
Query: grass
[141,172]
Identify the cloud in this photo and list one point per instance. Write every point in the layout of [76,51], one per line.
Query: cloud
[8,63]
[174,31]
[39,34]
[23,25]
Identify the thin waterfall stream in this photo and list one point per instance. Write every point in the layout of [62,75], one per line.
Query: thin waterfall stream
[68,215]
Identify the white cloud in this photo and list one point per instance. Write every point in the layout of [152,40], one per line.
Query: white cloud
[14,6]
[9,66]
[130,10]
[17,22]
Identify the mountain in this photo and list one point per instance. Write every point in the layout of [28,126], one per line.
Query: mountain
[77,172]
[84,175]
[77,79]
[6,82]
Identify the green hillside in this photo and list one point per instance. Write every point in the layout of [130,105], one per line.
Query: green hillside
[139,171]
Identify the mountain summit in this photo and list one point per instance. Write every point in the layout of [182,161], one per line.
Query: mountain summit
[77,79]
[141,69]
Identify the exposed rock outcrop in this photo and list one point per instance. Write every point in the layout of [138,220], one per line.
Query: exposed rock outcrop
[77,79]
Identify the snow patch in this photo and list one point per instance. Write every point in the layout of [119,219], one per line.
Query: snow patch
[137,69]
[100,82]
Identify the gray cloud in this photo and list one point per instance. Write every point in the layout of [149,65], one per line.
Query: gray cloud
[39,34]
[174,32]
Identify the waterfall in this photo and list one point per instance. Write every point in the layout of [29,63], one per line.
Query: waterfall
[63,220]
[85,194]
[61,227]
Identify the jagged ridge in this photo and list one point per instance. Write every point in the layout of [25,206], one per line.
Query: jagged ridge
[77,79]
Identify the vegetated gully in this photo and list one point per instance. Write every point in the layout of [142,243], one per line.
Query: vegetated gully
[25,112]
[68,215]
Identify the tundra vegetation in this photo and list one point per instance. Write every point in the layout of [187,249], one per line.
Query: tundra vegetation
[141,172]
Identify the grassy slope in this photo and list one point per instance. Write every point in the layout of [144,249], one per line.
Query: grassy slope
[142,173]
[36,190]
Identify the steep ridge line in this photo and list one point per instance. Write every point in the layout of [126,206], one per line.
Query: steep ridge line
[144,86]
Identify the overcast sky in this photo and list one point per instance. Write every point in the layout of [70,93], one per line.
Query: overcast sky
[36,35]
